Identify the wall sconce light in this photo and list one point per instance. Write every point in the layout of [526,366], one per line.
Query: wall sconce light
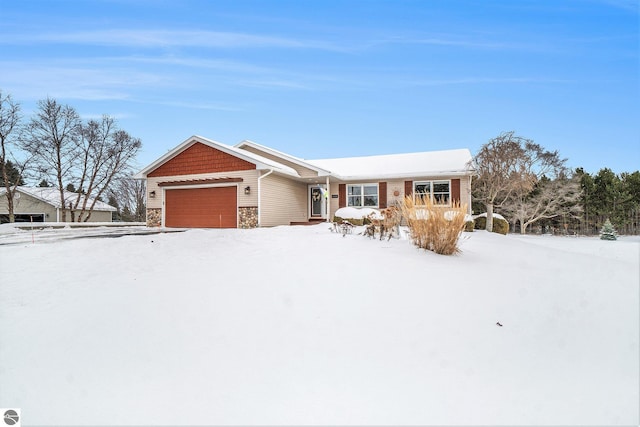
[152,194]
[247,190]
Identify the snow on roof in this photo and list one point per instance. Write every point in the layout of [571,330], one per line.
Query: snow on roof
[51,195]
[430,163]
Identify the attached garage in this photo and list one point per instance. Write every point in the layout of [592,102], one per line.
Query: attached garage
[210,207]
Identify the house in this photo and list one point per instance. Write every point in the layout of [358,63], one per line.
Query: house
[42,204]
[203,183]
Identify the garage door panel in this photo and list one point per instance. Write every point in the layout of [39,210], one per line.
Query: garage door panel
[214,207]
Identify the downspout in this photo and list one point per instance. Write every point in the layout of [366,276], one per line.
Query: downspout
[260,195]
[469,209]
[327,200]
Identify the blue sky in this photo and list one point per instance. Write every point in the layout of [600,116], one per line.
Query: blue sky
[327,78]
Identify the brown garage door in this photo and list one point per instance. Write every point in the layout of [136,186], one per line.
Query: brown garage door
[201,207]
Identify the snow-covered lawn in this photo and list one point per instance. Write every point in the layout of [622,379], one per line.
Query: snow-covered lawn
[298,325]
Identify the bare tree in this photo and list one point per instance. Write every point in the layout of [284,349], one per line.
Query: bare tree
[506,164]
[106,155]
[52,139]
[11,169]
[129,194]
[548,199]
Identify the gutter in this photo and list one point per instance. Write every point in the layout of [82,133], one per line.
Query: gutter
[260,195]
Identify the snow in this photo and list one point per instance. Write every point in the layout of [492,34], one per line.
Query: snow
[430,163]
[358,213]
[299,325]
[484,215]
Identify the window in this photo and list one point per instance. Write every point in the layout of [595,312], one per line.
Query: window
[362,195]
[439,192]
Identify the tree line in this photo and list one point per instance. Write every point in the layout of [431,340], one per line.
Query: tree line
[533,188]
[92,158]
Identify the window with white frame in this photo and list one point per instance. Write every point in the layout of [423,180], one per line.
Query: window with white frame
[438,192]
[362,195]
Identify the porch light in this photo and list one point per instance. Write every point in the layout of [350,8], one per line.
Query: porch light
[247,190]
[152,194]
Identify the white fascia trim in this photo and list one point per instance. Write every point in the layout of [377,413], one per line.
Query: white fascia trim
[378,177]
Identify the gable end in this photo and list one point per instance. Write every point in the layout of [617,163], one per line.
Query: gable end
[200,158]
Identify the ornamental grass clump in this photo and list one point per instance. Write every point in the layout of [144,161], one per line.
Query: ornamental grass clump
[434,227]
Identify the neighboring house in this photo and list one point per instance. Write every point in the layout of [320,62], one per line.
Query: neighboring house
[203,183]
[42,204]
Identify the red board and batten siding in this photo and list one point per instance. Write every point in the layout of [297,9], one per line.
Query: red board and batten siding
[382,195]
[200,158]
[455,190]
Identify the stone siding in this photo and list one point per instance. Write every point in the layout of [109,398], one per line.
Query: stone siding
[154,217]
[248,217]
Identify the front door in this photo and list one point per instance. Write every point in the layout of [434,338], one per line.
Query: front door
[317,201]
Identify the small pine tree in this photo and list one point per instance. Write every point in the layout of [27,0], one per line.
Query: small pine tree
[608,232]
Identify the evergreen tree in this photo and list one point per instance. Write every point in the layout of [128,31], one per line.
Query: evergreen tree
[608,232]
[13,174]
[44,183]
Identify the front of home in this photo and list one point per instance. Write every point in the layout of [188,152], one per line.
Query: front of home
[202,183]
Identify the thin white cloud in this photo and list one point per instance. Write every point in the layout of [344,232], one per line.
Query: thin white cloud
[95,116]
[35,80]
[482,80]
[450,42]
[197,105]
[212,64]
[165,38]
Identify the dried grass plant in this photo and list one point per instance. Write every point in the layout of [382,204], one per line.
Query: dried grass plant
[434,227]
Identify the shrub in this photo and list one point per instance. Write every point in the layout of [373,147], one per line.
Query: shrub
[432,227]
[469,225]
[608,232]
[354,221]
[500,225]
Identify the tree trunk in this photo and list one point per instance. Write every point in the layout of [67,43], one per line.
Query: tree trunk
[489,207]
[12,216]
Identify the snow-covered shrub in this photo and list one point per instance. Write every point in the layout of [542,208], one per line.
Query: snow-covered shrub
[500,225]
[361,216]
[469,223]
[432,227]
[608,232]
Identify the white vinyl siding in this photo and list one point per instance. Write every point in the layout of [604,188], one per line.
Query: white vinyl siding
[283,201]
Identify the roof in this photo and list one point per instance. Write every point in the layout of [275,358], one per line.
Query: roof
[429,163]
[284,156]
[259,161]
[445,163]
[51,196]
